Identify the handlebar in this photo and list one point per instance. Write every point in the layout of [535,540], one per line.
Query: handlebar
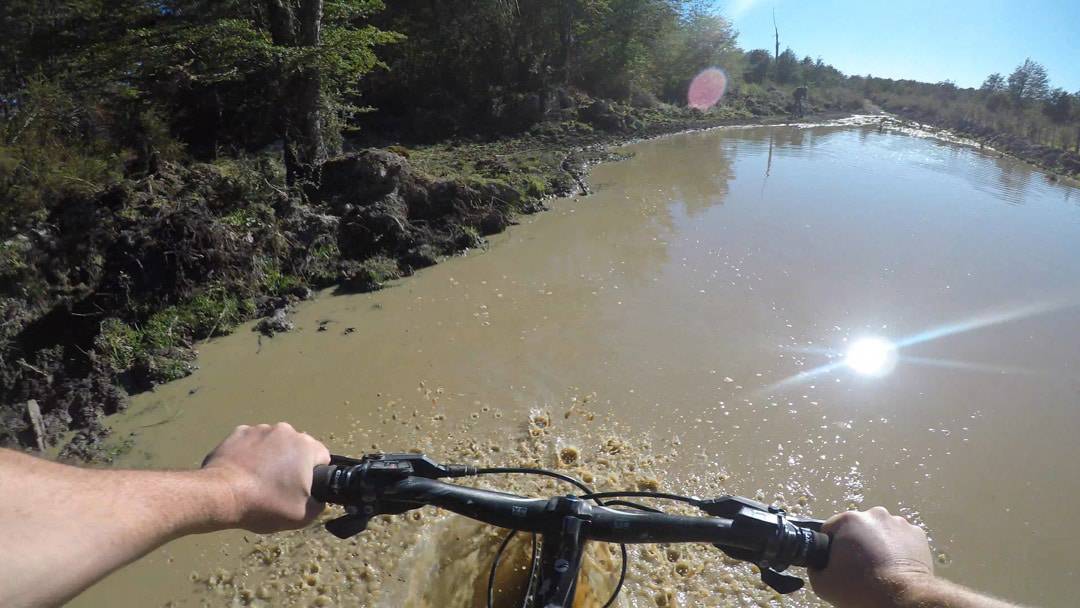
[794,546]
[744,529]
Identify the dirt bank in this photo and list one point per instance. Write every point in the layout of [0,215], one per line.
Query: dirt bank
[110,294]
[1055,160]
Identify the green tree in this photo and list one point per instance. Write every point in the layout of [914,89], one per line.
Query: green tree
[994,83]
[1028,82]
[291,63]
[757,65]
[787,67]
[1059,106]
[698,40]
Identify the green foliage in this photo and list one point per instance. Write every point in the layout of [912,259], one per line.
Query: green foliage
[151,80]
[494,64]
[1028,82]
[535,186]
[788,70]
[119,343]
[1060,106]
[378,270]
[1020,112]
[994,83]
[211,313]
[12,258]
[274,280]
[757,66]
[697,40]
[48,153]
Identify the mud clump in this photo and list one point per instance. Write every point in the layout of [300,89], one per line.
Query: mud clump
[390,211]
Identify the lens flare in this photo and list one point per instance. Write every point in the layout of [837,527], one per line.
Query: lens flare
[871,356]
[877,357]
[707,89]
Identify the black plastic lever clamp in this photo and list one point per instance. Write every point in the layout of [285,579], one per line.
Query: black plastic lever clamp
[785,535]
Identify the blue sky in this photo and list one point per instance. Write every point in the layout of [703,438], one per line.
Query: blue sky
[959,40]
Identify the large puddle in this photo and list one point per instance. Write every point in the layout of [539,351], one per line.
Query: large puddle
[659,327]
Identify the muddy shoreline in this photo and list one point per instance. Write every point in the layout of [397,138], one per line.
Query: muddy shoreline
[111,298]
[1056,161]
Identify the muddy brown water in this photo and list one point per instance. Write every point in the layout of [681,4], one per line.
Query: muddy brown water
[654,329]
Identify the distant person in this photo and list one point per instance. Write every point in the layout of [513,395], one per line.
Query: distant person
[800,102]
[64,528]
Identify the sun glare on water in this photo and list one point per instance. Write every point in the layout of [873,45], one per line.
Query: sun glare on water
[871,356]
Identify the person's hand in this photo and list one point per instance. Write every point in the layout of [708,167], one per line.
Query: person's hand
[267,472]
[874,559]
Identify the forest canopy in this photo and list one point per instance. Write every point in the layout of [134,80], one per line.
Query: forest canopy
[92,90]
[170,168]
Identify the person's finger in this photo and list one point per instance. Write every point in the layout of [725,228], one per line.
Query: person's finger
[837,521]
[323,455]
[312,509]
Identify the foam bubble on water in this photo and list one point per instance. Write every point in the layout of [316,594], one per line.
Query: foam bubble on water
[428,558]
[707,89]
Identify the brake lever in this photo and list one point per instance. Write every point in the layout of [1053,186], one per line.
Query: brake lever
[344,461]
[754,514]
[408,465]
[356,518]
[377,472]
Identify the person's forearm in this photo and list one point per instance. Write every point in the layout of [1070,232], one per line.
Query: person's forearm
[63,528]
[940,593]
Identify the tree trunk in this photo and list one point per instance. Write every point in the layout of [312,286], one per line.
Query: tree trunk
[305,150]
[299,23]
[566,39]
[776,31]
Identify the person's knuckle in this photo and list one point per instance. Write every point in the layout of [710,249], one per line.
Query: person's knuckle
[838,521]
[878,511]
[284,426]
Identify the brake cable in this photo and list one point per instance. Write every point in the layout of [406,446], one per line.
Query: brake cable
[568,479]
[495,568]
[588,496]
[632,494]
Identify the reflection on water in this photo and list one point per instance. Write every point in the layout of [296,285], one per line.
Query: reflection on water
[706,270]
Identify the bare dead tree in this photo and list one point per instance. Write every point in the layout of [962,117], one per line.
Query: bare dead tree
[776,31]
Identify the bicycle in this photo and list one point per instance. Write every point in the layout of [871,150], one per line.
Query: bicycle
[744,529]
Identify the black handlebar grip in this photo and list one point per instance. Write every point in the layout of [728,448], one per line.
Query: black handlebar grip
[320,482]
[818,556]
